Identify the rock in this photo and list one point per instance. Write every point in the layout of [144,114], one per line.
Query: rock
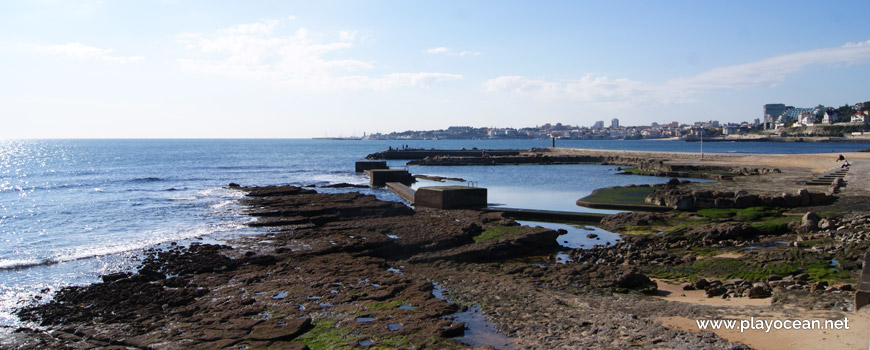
[688,286]
[774,278]
[824,224]
[723,231]
[287,329]
[734,281]
[455,329]
[804,197]
[810,222]
[802,277]
[716,291]
[701,283]
[636,281]
[758,292]
[115,276]
[821,285]
[843,287]
[689,258]
[592,235]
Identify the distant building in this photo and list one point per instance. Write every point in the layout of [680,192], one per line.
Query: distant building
[458,129]
[614,123]
[772,114]
[598,125]
[830,117]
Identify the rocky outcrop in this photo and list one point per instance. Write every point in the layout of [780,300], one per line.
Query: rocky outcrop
[693,200]
[535,240]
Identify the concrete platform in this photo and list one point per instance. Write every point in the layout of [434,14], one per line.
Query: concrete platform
[403,191]
[450,197]
[364,165]
[380,177]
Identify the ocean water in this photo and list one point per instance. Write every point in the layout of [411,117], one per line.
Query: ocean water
[71,210]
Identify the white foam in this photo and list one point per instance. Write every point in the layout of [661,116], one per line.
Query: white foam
[222,204]
[10,264]
[151,238]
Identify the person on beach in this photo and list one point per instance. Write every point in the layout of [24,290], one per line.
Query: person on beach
[845,164]
[841,158]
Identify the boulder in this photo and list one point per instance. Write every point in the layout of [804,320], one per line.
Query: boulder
[701,283]
[758,292]
[636,281]
[809,222]
[716,291]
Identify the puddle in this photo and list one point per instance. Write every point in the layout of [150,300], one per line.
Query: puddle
[314,298]
[394,270]
[478,331]
[407,307]
[563,258]
[392,237]
[365,319]
[325,304]
[366,342]
[394,326]
[577,236]
[280,295]
[438,291]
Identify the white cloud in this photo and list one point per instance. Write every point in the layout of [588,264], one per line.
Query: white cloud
[773,71]
[261,28]
[587,89]
[299,59]
[763,73]
[347,35]
[437,50]
[88,7]
[451,52]
[85,52]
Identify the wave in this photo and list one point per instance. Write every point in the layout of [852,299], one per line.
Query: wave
[16,264]
[249,167]
[146,179]
[99,250]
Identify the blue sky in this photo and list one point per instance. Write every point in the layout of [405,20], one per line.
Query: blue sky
[118,69]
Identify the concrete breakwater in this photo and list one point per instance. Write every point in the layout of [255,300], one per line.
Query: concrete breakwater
[662,165]
[408,154]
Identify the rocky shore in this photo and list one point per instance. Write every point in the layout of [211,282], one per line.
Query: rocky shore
[349,271]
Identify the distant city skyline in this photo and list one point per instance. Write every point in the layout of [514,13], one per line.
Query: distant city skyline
[301,69]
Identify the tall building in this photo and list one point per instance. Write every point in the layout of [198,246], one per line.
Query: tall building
[614,123]
[598,125]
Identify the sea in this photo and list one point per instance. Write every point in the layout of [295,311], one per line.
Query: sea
[72,210]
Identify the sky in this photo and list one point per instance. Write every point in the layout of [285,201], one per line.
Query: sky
[299,69]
